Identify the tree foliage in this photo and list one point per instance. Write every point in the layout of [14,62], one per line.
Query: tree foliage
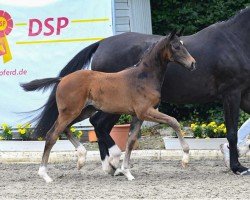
[190,14]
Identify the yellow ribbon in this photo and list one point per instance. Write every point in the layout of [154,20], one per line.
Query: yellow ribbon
[4,47]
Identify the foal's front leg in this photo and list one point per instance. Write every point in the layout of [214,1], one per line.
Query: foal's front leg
[156,116]
[133,133]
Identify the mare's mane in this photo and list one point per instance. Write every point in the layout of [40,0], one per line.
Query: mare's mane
[240,13]
[235,18]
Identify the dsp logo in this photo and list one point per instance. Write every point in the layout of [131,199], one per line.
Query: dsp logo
[6,25]
[53,26]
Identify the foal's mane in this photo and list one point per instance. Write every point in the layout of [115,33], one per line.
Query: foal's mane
[148,51]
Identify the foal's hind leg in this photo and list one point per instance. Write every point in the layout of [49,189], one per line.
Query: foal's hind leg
[80,149]
[60,125]
[133,133]
[156,116]
[81,152]
[51,139]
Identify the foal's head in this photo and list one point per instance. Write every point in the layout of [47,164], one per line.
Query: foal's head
[175,51]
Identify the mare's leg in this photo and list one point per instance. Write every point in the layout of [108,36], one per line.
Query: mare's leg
[133,133]
[245,101]
[103,123]
[156,116]
[231,104]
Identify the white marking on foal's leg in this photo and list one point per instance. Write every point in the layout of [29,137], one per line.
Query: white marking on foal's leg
[81,153]
[115,154]
[126,173]
[42,172]
[185,148]
[185,159]
[106,166]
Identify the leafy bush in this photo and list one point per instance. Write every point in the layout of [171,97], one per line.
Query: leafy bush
[210,130]
[124,119]
[6,132]
[77,133]
[199,113]
[24,131]
[193,15]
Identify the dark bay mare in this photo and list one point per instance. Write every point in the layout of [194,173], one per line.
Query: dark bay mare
[136,91]
[222,53]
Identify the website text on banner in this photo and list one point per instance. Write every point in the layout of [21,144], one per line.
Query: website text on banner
[37,39]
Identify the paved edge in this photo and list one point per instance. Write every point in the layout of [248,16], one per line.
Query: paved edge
[64,156]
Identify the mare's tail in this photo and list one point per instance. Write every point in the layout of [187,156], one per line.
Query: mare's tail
[49,113]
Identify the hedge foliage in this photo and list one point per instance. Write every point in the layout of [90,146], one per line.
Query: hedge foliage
[193,16]
[190,14]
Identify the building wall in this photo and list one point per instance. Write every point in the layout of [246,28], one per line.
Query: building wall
[132,15]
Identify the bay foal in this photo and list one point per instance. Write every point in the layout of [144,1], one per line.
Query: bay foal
[134,91]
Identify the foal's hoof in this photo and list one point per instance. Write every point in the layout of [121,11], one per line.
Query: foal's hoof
[107,167]
[109,170]
[185,160]
[118,172]
[42,172]
[184,164]
[46,178]
[49,180]
[114,162]
[125,172]
[81,154]
[80,163]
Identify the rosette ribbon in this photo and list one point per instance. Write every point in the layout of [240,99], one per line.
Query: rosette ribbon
[6,25]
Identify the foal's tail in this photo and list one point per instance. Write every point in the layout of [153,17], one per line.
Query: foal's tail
[49,113]
[40,84]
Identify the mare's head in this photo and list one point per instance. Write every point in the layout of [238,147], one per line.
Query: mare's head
[175,51]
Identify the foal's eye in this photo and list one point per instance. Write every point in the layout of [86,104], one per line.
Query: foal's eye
[178,47]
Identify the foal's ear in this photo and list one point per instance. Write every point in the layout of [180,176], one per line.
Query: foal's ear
[172,34]
[180,32]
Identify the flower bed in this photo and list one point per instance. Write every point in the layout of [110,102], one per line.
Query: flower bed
[24,132]
[210,130]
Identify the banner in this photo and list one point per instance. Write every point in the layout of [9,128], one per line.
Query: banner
[37,39]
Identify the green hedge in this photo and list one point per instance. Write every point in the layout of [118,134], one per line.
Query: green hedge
[193,16]
[198,113]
